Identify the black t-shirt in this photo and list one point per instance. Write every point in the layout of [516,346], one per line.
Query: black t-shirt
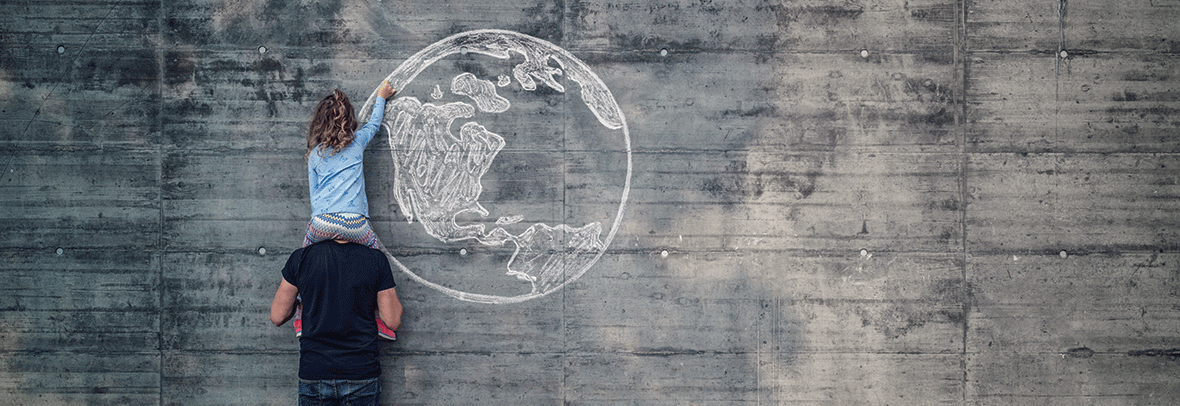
[338,284]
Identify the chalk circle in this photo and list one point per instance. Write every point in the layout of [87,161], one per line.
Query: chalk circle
[438,176]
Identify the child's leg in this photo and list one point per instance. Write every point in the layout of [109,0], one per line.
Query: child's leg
[349,227]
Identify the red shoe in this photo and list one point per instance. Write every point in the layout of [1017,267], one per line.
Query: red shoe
[298,322]
[385,332]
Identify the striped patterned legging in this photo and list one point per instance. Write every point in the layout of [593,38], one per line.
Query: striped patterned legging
[350,227]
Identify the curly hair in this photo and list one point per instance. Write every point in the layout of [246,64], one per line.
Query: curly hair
[333,125]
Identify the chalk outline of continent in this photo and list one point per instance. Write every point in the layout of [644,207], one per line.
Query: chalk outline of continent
[501,44]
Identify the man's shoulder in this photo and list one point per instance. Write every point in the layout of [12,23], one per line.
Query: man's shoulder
[299,253]
[363,250]
[296,254]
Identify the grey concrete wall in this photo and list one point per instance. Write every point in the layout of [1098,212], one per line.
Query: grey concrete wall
[855,202]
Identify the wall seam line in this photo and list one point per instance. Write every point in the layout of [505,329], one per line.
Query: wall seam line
[565,344]
[160,156]
[961,124]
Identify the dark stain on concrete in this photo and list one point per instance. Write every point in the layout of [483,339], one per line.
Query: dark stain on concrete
[954,292]
[326,38]
[578,11]
[1131,129]
[298,86]
[127,67]
[738,187]
[218,66]
[188,107]
[1141,76]
[514,192]
[189,30]
[269,65]
[822,15]
[545,21]
[938,98]
[271,99]
[937,56]
[941,13]
[1172,353]
[949,204]
[760,111]
[939,118]
[1080,352]
[766,43]
[927,90]
[941,301]
[1125,96]
[468,64]
[172,185]
[269,69]
[708,7]
[179,68]
[666,352]
[1144,112]
[319,69]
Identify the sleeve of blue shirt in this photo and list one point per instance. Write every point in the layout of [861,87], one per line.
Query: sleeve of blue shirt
[366,133]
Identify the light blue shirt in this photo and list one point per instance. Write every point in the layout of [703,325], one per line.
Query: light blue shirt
[337,181]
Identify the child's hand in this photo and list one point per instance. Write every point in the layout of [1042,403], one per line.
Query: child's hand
[386,91]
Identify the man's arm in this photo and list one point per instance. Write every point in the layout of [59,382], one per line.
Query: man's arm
[389,307]
[283,307]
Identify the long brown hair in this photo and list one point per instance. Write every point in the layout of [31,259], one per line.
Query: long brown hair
[333,125]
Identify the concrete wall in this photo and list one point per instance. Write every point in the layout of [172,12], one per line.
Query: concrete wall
[855,202]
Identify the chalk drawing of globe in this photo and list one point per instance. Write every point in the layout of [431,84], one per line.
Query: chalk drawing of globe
[514,113]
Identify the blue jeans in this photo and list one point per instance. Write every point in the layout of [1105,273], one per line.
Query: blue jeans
[340,392]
